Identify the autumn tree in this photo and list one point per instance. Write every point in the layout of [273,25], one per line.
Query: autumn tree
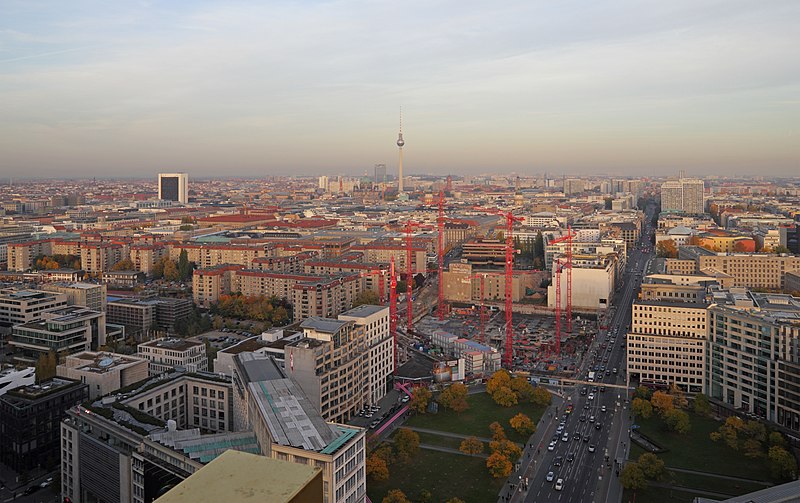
[777,438]
[185,267]
[454,397]
[395,496]
[500,379]
[471,446]
[406,443]
[498,433]
[419,399]
[377,468]
[652,466]
[506,447]
[677,421]
[752,448]
[632,477]
[499,465]
[642,408]
[522,424]
[366,297]
[541,397]
[662,402]
[701,405]
[679,399]
[124,265]
[782,465]
[729,432]
[666,249]
[522,388]
[643,392]
[505,397]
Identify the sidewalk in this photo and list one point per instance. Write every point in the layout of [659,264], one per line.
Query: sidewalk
[726,477]
[533,451]
[448,434]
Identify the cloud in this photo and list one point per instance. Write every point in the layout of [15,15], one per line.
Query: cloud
[312,86]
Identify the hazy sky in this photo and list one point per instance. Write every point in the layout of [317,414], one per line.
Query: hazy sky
[313,87]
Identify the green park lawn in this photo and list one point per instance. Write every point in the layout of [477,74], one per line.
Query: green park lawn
[476,420]
[444,475]
[696,451]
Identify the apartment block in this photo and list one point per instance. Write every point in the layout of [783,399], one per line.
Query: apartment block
[166,355]
[145,256]
[384,250]
[211,255]
[103,372]
[330,364]
[209,284]
[97,258]
[380,347]
[751,270]
[325,298]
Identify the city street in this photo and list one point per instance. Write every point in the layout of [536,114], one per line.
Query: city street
[599,421]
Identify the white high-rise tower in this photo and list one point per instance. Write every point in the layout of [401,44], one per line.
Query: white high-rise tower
[400,143]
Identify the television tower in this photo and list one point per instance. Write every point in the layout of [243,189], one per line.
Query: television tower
[400,143]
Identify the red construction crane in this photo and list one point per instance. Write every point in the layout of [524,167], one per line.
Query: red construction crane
[508,353]
[393,310]
[560,265]
[440,307]
[410,226]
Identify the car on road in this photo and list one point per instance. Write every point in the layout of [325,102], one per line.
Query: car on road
[559,484]
[551,446]
[576,436]
[570,457]
[591,396]
[565,438]
[591,448]
[591,419]
[550,476]
[598,426]
[586,438]
[558,460]
[603,408]
[583,419]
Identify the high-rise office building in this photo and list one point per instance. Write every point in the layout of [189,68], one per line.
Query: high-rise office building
[693,195]
[322,183]
[173,187]
[684,195]
[380,173]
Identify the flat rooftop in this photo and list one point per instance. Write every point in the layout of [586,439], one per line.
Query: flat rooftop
[324,325]
[364,310]
[289,415]
[173,344]
[239,476]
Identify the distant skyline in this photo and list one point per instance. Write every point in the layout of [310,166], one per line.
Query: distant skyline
[643,88]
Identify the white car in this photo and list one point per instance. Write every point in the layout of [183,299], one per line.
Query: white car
[565,438]
[550,476]
[591,396]
[551,446]
[603,408]
[559,484]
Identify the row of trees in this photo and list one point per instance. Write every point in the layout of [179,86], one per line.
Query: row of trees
[171,270]
[259,308]
[507,391]
[56,261]
[425,496]
[668,406]
[504,453]
[752,439]
[636,474]
[454,397]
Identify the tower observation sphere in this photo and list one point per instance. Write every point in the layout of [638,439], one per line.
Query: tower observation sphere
[400,141]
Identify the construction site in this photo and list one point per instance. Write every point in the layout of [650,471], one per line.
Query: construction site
[430,325]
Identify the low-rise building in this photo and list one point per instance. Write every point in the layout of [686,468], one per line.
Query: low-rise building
[104,373]
[166,355]
[23,306]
